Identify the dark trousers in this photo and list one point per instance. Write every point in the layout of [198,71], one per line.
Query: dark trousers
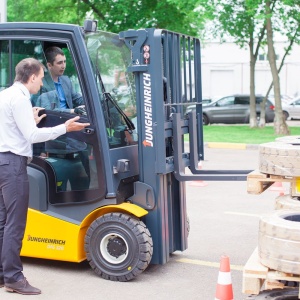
[14,197]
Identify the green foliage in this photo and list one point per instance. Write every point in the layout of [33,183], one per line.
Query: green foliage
[63,11]
[112,15]
[291,19]
[238,19]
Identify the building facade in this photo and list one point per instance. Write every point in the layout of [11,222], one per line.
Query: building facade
[226,70]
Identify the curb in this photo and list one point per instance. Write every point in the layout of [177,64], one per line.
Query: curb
[237,146]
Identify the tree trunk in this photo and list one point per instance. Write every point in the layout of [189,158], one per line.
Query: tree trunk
[287,51]
[253,59]
[253,117]
[280,126]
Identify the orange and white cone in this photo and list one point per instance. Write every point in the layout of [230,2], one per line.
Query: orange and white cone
[198,183]
[224,287]
[277,187]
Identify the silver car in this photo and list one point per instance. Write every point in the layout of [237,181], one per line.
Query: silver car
[292,109]
[235,109]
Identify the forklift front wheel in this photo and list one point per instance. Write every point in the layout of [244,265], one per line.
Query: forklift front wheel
[118,246]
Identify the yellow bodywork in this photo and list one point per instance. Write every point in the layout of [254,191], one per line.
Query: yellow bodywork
[52,238]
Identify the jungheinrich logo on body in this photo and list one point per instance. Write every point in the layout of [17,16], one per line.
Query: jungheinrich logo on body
[45,240]
[148,141]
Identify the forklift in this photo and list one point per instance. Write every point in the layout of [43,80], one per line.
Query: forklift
[114,193]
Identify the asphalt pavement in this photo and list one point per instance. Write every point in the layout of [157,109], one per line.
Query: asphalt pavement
[224,221]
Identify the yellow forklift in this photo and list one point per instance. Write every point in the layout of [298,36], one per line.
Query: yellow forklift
[114,193]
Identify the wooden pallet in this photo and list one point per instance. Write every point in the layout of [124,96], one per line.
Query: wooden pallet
[258,182]
[255,275]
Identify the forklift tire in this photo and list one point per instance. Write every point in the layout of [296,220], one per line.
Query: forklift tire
[279,241]
[279,158]
[118,246]
[277,294]
[287,202]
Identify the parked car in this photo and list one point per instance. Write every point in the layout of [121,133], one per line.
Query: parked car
[285,99]
[192,107]
[205,101]
[292,109]
[235,109]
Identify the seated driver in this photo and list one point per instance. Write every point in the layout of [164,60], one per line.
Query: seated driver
[63,98]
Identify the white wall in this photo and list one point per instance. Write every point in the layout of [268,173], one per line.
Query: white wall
[3,11]
[226,70]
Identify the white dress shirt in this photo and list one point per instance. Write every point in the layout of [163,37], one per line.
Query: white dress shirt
[18,130]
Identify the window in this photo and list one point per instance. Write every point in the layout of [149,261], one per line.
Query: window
[242,100]
[226,101]
[297,102]
[11,53]
[72,163]
[264,57]
[69,158]
[110,59]
[61,89]
[258,100]
[4,65]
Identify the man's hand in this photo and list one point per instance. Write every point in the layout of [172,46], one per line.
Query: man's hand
[80,110]
[36,116]
[72,125]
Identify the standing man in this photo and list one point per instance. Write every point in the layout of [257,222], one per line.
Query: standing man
[63,98]
[17,132]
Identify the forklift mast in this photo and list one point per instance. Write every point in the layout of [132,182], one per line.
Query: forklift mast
[167,69]
[167,73]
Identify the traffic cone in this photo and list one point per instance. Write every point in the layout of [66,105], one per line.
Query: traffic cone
[224,287]
[199,183]
[277,187]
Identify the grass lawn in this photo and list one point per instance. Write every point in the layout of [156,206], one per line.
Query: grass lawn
[242,134]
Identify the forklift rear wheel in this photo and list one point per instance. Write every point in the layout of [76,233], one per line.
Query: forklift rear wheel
[285,294]
[118,246]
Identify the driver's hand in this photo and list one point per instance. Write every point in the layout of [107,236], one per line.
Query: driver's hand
[80,110]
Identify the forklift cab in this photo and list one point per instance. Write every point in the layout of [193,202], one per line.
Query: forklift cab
[74,173]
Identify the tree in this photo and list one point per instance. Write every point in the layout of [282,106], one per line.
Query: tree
[247,22]
[292,40]
[285,19]
[239,20]
[280,125]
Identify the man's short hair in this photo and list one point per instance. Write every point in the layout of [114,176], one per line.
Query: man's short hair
[26,68]
[51,53]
